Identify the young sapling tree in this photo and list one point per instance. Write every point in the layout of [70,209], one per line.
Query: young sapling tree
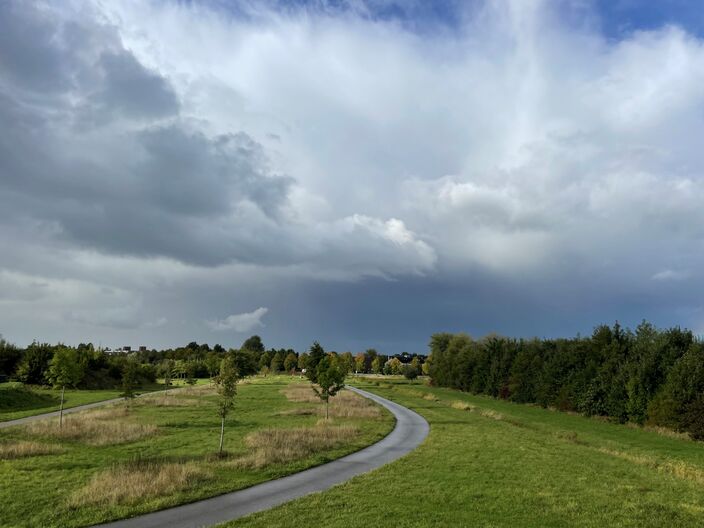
[226,387]
[64,370]
[330,379]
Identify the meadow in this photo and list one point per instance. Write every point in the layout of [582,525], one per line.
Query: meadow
[160,450]
[19,401]
[489,462]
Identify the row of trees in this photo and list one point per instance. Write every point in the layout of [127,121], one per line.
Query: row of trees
[646,376]
[103,369]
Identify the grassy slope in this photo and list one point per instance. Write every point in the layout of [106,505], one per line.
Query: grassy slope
[39,400]
[41,485]
[531,467]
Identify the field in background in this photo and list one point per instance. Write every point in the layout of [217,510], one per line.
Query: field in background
[488,462]
[19,401]
[115,462]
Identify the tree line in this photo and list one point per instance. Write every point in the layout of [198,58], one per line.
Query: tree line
[647,376]
[102,369]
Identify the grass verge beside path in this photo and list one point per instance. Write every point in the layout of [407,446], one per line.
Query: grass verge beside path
[116,462]
[492,463]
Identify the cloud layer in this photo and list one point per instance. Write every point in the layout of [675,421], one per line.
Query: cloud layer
[170,163]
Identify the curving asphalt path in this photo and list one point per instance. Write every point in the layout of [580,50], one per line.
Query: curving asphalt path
[411,429]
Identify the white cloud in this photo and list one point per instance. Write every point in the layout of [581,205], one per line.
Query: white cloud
[671,275]
[243,322]
[295,147]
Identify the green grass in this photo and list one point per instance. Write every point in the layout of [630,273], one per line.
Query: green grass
[36,490]
[503,464]
[18,401]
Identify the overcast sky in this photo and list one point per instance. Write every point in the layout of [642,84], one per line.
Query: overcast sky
[363,173]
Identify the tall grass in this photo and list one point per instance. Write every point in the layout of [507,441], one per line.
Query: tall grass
[98,428]
[346,404]
[136,481]
[275,446]
[25,448]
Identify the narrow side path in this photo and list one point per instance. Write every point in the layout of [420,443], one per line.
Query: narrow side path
[411,429]
[77,408]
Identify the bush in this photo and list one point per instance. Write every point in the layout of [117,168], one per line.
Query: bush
[409,372]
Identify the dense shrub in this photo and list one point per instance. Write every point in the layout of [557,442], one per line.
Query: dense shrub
[649,375]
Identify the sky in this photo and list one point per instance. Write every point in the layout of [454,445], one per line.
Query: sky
[361,173]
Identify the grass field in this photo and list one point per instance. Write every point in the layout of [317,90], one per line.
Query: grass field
[116,462]
[492,463]
[16,401]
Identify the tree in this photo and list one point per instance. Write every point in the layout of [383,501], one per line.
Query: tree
[359,361]
[393,366]
[34,364]
[245,362]
[191,373]
[376,365]
[409,372]
[10,357]
[167,371]
[64,370]
[130,379]
[315,356]
[302,360]
[347,361]
[290,362]
[226,387]
[330,379]
[254,344]
[212,363]
[277,362]
[265,361]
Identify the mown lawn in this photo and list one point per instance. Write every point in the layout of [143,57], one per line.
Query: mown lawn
[50,490]
[502,464]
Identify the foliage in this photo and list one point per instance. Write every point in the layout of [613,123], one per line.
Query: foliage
[330,379]
[647,376]
[315,356]
[130,379]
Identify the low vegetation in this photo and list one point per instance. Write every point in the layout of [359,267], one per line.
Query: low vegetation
[120,461]
[27,448]
[97,428]
[278,445]
[133,482]
[489,462]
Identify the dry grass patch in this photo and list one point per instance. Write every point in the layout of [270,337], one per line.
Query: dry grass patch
[430,397]
[488,413]
[678,469]
[199,390]
[277,446]
[346,404]
[134,482]
[97,428]
[24,448]
[307,411]
[169,400]
[461,406]
[299,393]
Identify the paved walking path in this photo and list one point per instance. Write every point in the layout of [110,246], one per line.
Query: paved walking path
[411,429]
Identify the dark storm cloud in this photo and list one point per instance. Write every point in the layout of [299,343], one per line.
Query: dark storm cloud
[92,157]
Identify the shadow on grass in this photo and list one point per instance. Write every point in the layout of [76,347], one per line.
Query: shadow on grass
[24,399]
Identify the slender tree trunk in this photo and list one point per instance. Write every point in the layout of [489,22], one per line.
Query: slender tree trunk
[222,432]
[61,407]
